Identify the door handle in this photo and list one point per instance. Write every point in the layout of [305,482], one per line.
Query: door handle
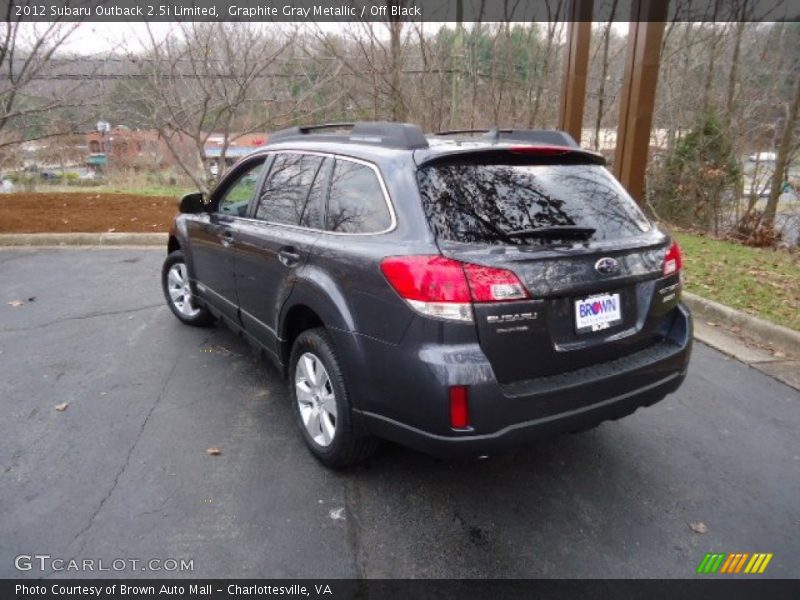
[227,239]
[288,256]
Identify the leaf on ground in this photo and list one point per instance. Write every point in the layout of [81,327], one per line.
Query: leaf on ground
[213,451]
[16,303]
[699,527]
[337,514]
[62,407]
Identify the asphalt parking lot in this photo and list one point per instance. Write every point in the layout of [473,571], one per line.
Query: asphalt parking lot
[123,471]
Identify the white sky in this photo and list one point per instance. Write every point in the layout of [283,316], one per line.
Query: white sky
[103,38]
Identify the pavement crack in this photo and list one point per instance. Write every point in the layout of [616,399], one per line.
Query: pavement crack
[92,315]
[126,462]
[354,530]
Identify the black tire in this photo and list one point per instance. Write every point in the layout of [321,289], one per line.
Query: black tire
[202,317]
[346,447]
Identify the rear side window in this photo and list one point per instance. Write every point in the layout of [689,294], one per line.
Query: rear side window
[356,203]
[477,203]
[285,194]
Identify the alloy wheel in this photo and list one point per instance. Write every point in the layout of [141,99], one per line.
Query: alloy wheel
[180,292]
[316,399]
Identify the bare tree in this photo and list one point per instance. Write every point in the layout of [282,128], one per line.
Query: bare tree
[220,78]
[26,52]
[555,10]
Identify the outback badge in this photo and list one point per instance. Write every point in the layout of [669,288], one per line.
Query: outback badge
[607,265]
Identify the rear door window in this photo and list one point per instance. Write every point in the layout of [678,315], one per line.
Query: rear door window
[484,203]
[286,193]
[356,203]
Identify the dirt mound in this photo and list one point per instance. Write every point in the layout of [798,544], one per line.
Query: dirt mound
[67,212]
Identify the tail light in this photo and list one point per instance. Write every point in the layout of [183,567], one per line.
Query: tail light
[673,261]
[441,287]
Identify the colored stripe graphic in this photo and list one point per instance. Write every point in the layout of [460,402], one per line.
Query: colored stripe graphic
[701,568]
[741,562]
[715,562]
[758,564]
[765,563]
[729,564]
[710,563]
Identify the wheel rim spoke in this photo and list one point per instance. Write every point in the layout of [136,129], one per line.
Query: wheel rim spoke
[313,425]
[328,428]
[304,392]
[310,368]
[328,402]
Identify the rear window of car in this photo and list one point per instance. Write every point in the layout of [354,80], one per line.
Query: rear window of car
[483,203]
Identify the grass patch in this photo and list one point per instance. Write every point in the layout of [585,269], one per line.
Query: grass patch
[759,281]
[128,188]
[147,190]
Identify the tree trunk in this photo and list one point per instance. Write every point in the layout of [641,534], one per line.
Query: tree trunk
[455,92]
[782,159]
[533,116]
[601,92]
[734,74]
[712,61]
[396,50]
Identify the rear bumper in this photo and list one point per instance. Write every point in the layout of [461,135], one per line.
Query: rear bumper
[507,416]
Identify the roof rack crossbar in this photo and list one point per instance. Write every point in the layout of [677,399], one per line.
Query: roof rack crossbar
[383,133]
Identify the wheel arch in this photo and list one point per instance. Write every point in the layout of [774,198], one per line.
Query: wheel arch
[298,319]
[317,303]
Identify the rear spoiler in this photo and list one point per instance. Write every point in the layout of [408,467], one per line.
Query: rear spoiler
[539,154]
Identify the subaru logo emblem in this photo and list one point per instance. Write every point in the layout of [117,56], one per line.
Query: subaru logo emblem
[607,265]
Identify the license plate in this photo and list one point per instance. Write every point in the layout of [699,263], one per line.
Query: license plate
[597,312]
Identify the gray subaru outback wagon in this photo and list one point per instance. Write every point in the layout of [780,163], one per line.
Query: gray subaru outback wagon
[459,293]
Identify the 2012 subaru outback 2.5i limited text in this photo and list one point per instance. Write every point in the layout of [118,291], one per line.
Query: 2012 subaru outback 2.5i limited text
[458,293]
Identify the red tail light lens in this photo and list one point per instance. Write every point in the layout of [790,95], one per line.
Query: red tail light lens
[673,261]
[445,288]
[459,407]
[426,278]
[493,285]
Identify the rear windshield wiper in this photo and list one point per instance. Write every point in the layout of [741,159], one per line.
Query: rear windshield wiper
[554,232]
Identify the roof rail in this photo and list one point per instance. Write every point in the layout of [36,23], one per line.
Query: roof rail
[383,133]
[550,137]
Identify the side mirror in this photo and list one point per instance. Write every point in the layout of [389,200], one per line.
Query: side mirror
[193,203]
